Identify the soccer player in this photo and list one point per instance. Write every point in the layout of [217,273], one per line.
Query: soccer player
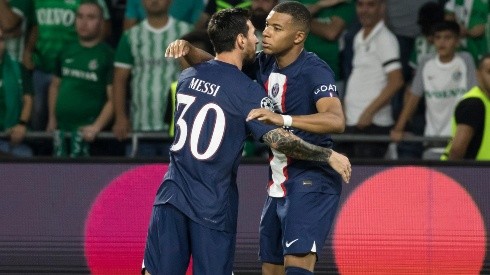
[196,207]
[303,195]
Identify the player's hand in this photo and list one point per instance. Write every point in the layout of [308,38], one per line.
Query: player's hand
[89,132]
[365,120]
[121,128]
[265,116]
[341,164]
[52,124]
[396,135]
[178,48]
[17,133]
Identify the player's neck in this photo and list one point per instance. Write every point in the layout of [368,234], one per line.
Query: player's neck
[89,43]
[230,58]
[285,59]
[158,22]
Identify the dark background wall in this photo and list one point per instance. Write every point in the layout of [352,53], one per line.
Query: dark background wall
[81,218]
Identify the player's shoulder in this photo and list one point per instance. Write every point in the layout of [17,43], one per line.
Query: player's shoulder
[312,65]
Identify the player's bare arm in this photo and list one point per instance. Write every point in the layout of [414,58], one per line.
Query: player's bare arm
[329,118]
[182,48]
[291,145]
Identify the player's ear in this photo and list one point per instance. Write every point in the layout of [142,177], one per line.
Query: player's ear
[240,41]
[300,37]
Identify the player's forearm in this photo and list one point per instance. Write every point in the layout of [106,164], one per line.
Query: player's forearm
[394,84]
[196,56]
[119,92]
[476,31]
[104,116]
[52,96]
[407,112]
[320,123]
[25,114]
[292,146]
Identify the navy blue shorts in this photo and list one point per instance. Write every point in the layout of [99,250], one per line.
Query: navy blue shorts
[296,224]
[173,237]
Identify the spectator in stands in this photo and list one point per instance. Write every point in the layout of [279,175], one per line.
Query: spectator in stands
[429,15]
[375,78]
[213,6]
[442,80]
[330,20]
[80,93]
[472,21]
[259,11]
[198,39]
[184,10]
[54,27]
[471,122]
[140,54]
[16,17]
[15,103]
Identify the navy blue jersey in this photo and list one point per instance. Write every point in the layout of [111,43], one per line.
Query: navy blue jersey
[295,90]
[213,101]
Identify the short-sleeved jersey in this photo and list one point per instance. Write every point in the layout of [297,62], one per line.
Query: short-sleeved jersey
[375,56]
[213,101]
[185,10]
[442,84]
[295,90]
[24,9]
[471,111]
[470,14]
[141,49]
[15,81]
[85,74]
[329,50]
[55,20]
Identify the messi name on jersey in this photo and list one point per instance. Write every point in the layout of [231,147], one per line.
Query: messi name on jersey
[204,87]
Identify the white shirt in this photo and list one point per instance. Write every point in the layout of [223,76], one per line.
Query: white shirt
[443,84]
[374,57]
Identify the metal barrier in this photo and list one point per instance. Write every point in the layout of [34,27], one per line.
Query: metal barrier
[137,136]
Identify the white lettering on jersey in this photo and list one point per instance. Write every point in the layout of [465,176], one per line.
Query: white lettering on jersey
[204,87]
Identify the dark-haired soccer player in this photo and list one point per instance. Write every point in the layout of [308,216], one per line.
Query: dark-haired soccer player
[196,207]
[303,195]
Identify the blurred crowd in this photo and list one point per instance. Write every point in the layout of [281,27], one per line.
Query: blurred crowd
[76,68]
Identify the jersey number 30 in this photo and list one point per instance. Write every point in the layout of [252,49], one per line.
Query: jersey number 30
[197,123]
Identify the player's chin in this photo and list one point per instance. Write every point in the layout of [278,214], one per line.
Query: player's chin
[267,50]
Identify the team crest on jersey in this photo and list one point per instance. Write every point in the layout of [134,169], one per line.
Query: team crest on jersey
[267,103]
[457,76]
[275,90]
[93,64]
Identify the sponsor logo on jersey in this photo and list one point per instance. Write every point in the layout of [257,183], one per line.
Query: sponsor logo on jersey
[445,93]
[55,16]
[288,244]
[90,76]
[93,64]
[330,88]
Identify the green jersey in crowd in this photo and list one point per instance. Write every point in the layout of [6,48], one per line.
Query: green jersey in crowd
[85,74]
[329,50]
[25,9]
[470,14]
[55,20]
[141,49]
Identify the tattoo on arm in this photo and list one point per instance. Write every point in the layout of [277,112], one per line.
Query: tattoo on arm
[295,147]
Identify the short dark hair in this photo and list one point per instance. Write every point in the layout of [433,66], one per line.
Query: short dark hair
[301,15]
[446,26]
[430,14]
[224,27]
[94,3]
[200,37]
